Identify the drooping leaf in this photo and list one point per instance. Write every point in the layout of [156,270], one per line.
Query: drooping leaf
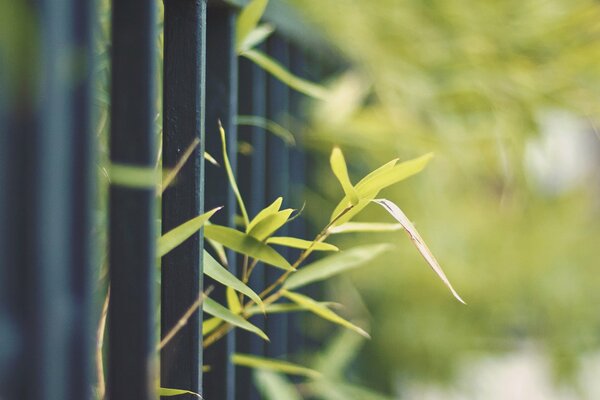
[271,364]
[265,212]
[231,176]
[133,176]
[267,125]
[255,37]
[168,392]
[273,386]
[233,301]
[278,71]
[246,244]
[270,224]
[248,19]
[340,170]
[355,227]
[322,311]
[300,243]
[216,310]
[211,324]
[335,264]
[180,234]
[399,215]
[220,274]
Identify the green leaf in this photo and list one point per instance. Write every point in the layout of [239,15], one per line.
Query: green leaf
[167,392]
[285,76]
[220,274]
[248,19]
[264,213]
[300,243]
[233,301]
[210,159]
[354,227]
[269,126]
[335,264]
[279,308]
[180,234]
[322,311]
[216,310]
[285,367]
[231,176]
[340,170]
[255,37]
[273,386]
[133,176]
[268,225]
[246,244]
[211,324]
[397,213]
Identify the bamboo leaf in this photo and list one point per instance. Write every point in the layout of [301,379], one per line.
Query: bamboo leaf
[246,244]
[264,213]
[340,170]
[268,225]
[278,71]
[285,367]
[273,386]
[335,264]
[255,37]
[216,310]
[167,392]
[211,159]
[133,176]
[399,215]
[267,125]
[248,19]
[300,243]
[211,324]
[279,308]
[180,234]
[233,301]
[354,227]
[322,311]
[220,274]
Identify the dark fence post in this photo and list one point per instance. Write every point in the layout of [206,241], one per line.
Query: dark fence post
[132,210]
[221,94]
[183,123]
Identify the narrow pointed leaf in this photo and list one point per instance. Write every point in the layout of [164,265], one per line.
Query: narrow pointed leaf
[265,212]
[323,312]
[340,170]
[279,308]
[300,243]
[233,301]
[248,19]
[273,386]
[255,37]
[355,227]
[268,225]
[167,392]
[231,176]
[271,364]
[246,244]
[216,310]
[269,126]
[211,324]
[335,264]
[278,71]
[220,274]
[399,215]
[176,236]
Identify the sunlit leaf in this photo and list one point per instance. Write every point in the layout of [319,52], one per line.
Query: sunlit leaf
[133,176]
[270,224]
[180,234]
[220,274]
[279,308]
[355,227]
[335,264]
[233,301]
[219,250]
[397,213]
[216,310]
[211,159]
[300,243]
[248,19]
[167,392]
[285,76]
[211,324]
[340,170]
[246,244]
[255,37]
[267,125]
[264,213]
[273,386]
[322,311]
[271,364]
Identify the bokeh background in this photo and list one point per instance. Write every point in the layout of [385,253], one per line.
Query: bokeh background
[506,93]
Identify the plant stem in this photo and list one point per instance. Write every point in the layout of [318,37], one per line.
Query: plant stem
[100,344]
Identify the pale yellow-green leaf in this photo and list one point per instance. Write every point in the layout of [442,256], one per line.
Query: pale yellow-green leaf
[231,176]
[255,37]
[340,170]
[265,212]
[269,126]
[354,227]
[219,250]
[233,301]
[279,308]
[285,76]
[133,176]
[271,364]
[211,159]
[322,311]
[246,244]
[248,19]
[216,310]
[180,234]
[211,324]
[300,243]
[168,392]
[335,264]
[273,386]
[409,228]
[268,225]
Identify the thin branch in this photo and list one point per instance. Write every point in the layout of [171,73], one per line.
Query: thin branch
[100,344]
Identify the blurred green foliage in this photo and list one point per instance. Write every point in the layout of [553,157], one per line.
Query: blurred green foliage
[471,81]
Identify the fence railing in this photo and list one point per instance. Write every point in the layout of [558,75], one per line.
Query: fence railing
[48,187]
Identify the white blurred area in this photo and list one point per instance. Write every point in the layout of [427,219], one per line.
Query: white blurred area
[522,375]
[565,155]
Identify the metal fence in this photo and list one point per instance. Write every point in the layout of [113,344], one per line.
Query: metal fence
[48,149]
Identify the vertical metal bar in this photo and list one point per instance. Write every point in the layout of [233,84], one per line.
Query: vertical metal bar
[251,172]
[221,90]
[132,210]
[278,172]
[183,123]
